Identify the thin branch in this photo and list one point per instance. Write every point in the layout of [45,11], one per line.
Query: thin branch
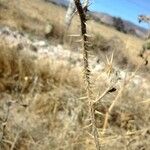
[4,123]
[15,141]
[110,109]
[125,83]
[103,94]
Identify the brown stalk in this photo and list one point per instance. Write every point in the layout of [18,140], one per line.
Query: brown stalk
[82,14]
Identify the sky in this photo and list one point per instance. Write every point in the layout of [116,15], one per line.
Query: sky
[126,9]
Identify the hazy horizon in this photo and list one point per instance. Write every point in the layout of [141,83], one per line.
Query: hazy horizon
[126,9]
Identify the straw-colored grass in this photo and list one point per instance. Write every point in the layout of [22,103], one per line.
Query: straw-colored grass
[43,102]
[33,16]
[48,108]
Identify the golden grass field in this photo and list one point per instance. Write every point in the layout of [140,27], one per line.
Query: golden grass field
[43,103]
[26,15]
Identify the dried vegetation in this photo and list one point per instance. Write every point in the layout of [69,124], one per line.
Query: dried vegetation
[43,102]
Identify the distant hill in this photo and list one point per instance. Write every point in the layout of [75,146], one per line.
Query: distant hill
[139,31]
[129,26]
[107,19]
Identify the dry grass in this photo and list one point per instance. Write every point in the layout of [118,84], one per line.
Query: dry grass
[38,93]
[46,109]
[26,15]
[46,99]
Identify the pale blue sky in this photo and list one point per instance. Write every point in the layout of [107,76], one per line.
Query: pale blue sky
[126,9]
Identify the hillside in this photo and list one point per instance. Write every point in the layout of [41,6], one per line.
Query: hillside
[108,20]
[43,101]
[20,15]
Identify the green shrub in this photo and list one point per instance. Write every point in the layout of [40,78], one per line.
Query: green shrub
[146,46]
[119,24]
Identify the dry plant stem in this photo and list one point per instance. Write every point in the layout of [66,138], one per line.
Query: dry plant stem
[126,81]
[15,141]
[34,85]
[102,95]
[82,14]
[110,109]
[4,123]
